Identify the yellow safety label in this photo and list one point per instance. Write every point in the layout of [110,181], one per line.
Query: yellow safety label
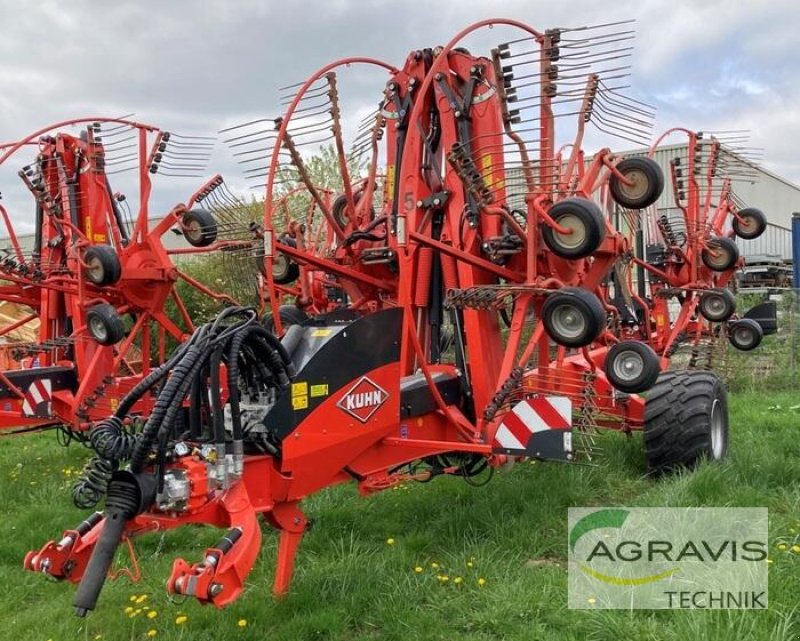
[300,389]
[319,333]
[299,402]
[319,390]
[492,178]
[388,186]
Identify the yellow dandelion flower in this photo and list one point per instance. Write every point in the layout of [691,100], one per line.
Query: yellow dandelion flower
[770,561]
[97,637]
[142,599]
[180,620]
[481,582]
[782,547]
[434,565]
[796,548]
[151,633]
[128,610]
[469,564]
[152,614]
[390,541]
[457,580]
[133,598]
[242,623]
[418,569]
[592,600]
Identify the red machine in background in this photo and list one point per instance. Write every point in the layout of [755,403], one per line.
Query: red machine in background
[101,282]
[394,364]
[688,260]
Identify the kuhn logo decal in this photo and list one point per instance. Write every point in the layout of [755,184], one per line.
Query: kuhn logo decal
[363,399]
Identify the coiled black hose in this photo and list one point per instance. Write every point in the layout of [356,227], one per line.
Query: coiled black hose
[93,482]
[230,339]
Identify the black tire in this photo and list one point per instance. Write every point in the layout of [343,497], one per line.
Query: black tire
[289,315]
[766,315]
[102,265]
[648,183]
[573,317]
[199,227]
[104,324]
[721,254]
[753,223]
[284,269]
[717,305]
[745,334]
[632,366]
[685,420]
[585,219]
[339,208]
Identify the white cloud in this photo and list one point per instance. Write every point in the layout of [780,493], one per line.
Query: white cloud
[198,66]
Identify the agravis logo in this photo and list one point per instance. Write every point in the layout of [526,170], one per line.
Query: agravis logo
[668,557]
[602,519]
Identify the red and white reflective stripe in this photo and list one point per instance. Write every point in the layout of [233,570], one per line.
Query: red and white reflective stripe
[38,392]
[530,416]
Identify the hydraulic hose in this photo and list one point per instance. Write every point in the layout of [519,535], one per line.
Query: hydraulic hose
[127,495]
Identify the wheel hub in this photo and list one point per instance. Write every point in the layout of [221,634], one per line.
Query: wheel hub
[193,231]
[743,336]
[95,270]
[568,321]
[714,305]
[578,231]
[748,224]
[638,184]
[628,366]
[98,329]
[718,256]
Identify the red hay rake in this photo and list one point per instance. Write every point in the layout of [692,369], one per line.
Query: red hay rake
[455,214]
[99,280]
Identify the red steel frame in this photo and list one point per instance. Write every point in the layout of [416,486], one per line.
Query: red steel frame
[60,294]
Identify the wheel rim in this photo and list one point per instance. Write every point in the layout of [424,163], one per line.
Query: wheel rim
[638,187]
[717,430]
[98,329]
[280,266]
[718,256]
[568,322]
[628,366]
[747,224]
[193,231]
[743,336]
[578,235]
[95,270]
[714,306]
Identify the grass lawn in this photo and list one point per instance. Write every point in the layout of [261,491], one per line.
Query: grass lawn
[352,584]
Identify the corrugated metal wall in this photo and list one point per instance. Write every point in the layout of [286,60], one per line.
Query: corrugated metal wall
[776,197]
[753,185]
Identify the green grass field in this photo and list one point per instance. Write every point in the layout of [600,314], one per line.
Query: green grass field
[506,542]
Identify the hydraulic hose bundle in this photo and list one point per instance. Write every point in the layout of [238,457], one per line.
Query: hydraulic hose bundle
[253,359]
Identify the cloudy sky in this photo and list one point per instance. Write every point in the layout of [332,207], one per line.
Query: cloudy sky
[195,67]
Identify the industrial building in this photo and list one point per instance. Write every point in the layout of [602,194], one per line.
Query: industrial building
[769,257]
